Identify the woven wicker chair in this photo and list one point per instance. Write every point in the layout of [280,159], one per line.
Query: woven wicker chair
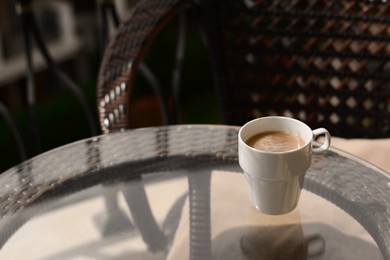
[324,62]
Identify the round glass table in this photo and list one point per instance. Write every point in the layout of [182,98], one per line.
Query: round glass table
[177,192]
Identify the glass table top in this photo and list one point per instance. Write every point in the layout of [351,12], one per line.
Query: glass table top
[177,192]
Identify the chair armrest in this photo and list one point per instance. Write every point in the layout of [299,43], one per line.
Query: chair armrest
[122,58]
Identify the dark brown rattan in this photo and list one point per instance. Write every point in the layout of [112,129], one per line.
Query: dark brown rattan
[122,57]
[323,62]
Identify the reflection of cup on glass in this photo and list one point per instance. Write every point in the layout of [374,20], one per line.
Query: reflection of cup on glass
[280,242]
[275,153]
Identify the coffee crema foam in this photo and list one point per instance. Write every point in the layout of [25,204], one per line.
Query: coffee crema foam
[275,141]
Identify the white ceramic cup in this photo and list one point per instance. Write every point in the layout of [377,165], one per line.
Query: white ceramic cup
[275,179]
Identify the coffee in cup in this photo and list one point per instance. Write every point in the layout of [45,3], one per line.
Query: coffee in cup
[275,141]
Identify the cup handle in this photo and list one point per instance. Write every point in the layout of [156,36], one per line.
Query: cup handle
[323,147]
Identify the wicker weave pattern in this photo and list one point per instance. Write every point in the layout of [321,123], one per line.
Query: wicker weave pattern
[324,62]
[121,59]
[361,191]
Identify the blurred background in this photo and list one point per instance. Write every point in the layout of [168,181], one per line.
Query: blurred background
[70,29]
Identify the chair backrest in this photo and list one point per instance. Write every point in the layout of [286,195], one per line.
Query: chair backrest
[323,62]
